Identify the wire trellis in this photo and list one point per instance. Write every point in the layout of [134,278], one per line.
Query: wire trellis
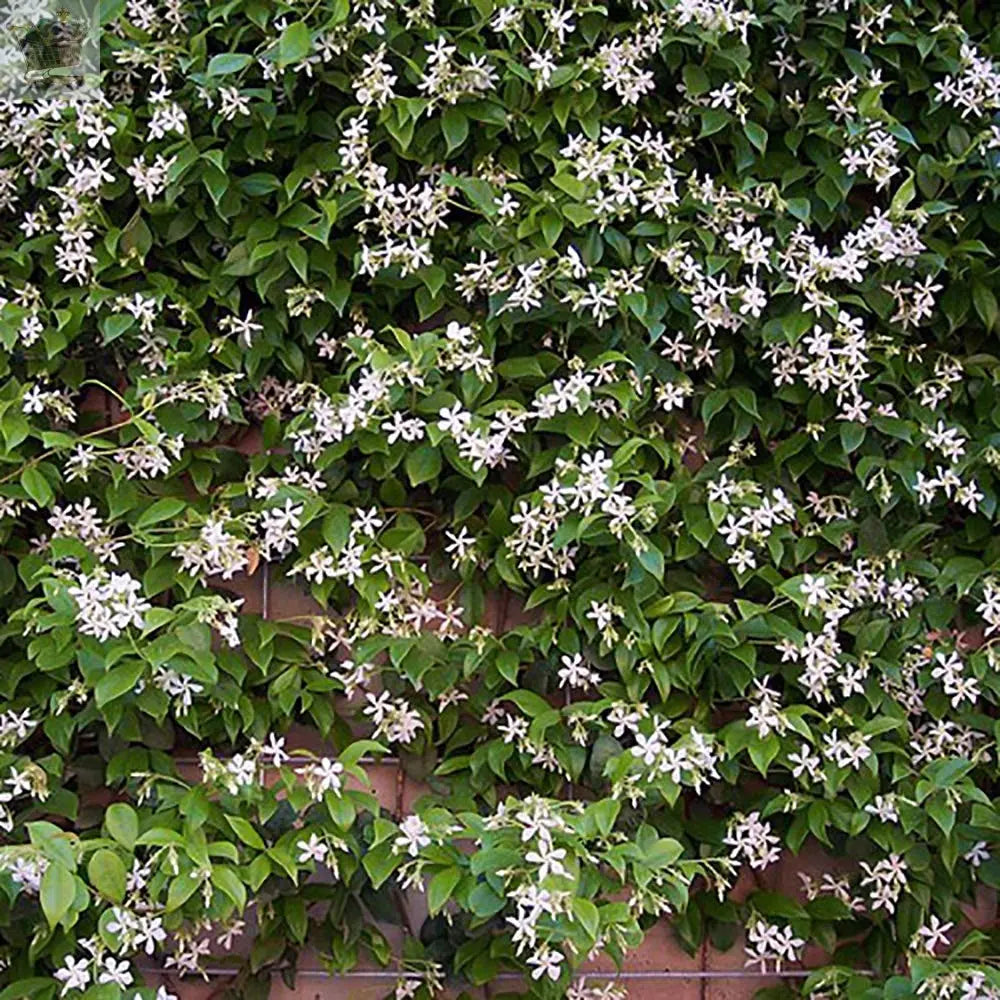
[626,975]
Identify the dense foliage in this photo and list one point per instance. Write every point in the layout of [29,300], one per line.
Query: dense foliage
[670,325]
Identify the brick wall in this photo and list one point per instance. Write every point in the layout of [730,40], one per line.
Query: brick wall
[658,969]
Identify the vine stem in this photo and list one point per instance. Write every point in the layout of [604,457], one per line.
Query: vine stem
[83,437]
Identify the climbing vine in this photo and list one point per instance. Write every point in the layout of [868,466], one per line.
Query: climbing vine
[620,383]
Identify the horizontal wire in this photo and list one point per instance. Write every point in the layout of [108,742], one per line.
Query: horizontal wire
[292,758]
[636,974]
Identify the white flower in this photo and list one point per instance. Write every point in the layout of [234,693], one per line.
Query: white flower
[454,420]
[931,935]
[647,749]
[548,862]
[274,750]
[977,854]
[768,942]
[325,775]
[750,839]
[507,205]
[312,849]
[118,973]
[575,673]
[245,328]
[413,836]
[461,543]
[74,975]
[814,589]
[108,604]
[546,962]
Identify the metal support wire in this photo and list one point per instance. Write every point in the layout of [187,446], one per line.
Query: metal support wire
[516,976]
[293,758]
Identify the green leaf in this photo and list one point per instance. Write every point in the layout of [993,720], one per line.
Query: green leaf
[942,812]
[696,80]
[575,188]
[245,831]
[380,862]
[662,852]
[337,527]
[216,183]
[587,914]
[108,11]
[746,400]
[259,870]
[37,486]
[228,62]
[508,663]
[962,572]
[651,560]
[299,259]
[455,126]
[872,636]
[258,184]
[852,434]
[552,227]
[24,989]
[294,44]
[163,510]
[226,879]
[423,464]
[478,191]
[903,197]
[122,824]
[52,842]
[58,891]
[161,837]
[775,904]
[579,215]
[763,752]
[14,427]
[605,813]
[756,134]
[182,889]
[712,120]
[713,403]
[107,874]
[799,207]
[484,902]
[296,918]
[442,885]
[115,325]
[358,749]
[118,681]
[530,703]
[986,305]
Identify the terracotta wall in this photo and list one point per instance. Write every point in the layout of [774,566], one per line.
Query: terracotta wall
[658,970]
